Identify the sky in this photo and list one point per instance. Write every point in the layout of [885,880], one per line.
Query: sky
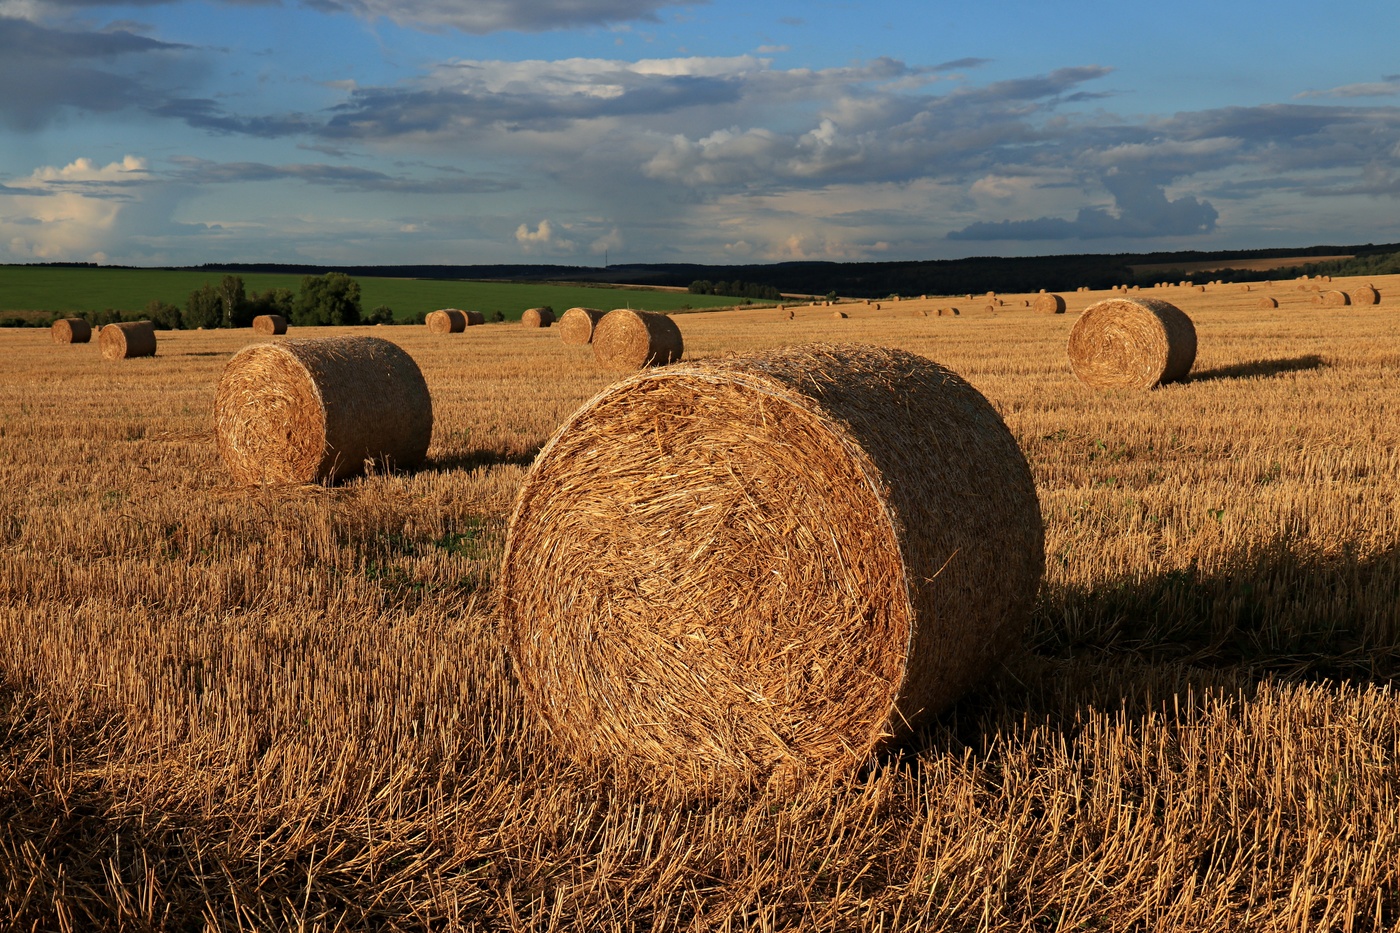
[584,132]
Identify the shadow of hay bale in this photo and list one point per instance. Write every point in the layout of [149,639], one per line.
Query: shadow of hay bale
[1255,369]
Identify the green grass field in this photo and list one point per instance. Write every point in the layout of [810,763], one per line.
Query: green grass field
[50,289]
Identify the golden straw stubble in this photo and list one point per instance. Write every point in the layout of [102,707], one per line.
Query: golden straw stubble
[127,339]
[769,562]
[576,325]
[626,340]
[70,330]
[1132,343]
[319,410]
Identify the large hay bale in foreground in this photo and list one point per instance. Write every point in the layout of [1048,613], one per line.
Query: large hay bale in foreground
[269,325]
[70,330]
[1047,303]
[317,410]
[1334,299]
[625,339]
[446,321]
[1364,295]
[1132,343]
[576,324]
[537,317]
[767,562]
[127,340]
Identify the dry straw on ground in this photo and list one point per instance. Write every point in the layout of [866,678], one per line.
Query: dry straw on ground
[446,321]
[1364,295]
[321,410]
[269,324]
[626,339]
[1334,299]
[1132,343]
[768,562]
[70,330]
[537,317]
[128,339]
[1047,303]
[576,325]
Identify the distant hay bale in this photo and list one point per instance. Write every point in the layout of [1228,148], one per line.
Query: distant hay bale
[1246,288]
[791,315]
[1267,303]
[1047,303]
[737,567]
[576,325]
[475,318]
[1132,343]
[990,309]
[1335,299]
[876,306]
[127,340]
[1364,295]
[1199,288]
[269,324]
[318,410]
[839,314]
[70,330]
[949,312]
[446,321]
[538,317]
[625,340]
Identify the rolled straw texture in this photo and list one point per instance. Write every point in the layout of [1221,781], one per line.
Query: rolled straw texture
[269,324]
[537,317]
[1335,299]
[316,410]
[70,330]
[576,324]
[1132,343]
[446,321]
[1364,295]
[1047,303]
[126,340]
[625,340]
[767,562]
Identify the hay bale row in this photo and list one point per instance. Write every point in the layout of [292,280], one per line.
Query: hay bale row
[538,317]
[576,325]
[624,339]
[127,340]
[1132,343]
[321,410]
[270,325]
[809,580]
[70,330]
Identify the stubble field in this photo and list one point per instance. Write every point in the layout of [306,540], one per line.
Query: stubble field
[288,708]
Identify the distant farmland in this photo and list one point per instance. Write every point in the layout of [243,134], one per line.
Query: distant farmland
[1253,265]
[69,290]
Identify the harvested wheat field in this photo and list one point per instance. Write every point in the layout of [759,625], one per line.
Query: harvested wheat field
[291,706]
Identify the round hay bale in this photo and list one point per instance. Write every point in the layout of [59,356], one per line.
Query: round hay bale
[819,571]
[1267,303]
[538,317]
[70,330]
[475,318]
[1335,299]
[1199,288]
[317,410]
[838,314]
[269,324]
[791,315]
[576,324]
[625,339]
[1364,295]
[446,321]
[1132,343]
[1047,303]
[1246,288]
[949,312]
[127,340]
[876,306]
[990,309]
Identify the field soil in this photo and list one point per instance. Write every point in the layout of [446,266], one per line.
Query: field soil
[228,707]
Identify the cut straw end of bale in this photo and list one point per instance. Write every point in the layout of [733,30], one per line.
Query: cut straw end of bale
[446,321]
[576,325]
[1364,295]
[70,330]
[1132,343]
[269,325]
[626,340]
[537,317]
[127,340]
[321,410]
[731,567]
